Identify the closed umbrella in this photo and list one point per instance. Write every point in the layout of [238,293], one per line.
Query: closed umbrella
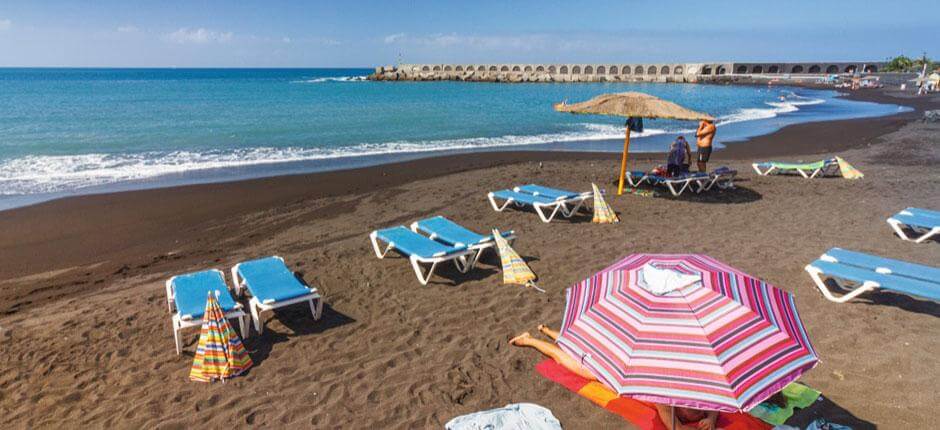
[686,330]
[632,105]
[220,354]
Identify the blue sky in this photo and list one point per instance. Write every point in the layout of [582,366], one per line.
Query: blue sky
[366,33]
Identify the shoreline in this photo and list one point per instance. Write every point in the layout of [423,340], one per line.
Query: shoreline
[732,150]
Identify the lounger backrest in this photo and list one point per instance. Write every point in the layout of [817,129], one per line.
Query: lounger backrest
[923,212]
[552,193]
[191,290]
[270,280]
[896,267]
[449,232]
[412,243]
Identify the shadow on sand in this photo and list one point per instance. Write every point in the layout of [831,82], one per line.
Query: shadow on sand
[832,412]
[297,318]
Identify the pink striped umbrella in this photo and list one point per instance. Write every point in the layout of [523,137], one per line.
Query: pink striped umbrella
[725,342]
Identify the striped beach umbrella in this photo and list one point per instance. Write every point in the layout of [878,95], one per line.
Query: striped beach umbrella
[515,271]
[603,214]
[220,354]
[686,330]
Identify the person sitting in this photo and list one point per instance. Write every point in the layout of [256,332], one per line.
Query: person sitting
[685,418]
[677,161]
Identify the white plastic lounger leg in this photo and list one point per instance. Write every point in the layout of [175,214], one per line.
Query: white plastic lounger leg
[547,219]
[316,309]
[169,294]
[176,336]
[243,326]
[375,245]
[815,273]
[934,231]
[769,170]
[576,208]
[256,315]
[497,207]
[896,225]
[236,279]
[422,278]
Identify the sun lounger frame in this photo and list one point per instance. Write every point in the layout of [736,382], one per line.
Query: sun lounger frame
[855,287]
[556,206]
[179,323]
[676,186]
[256,307]
[459,258]
[925,232]
[478,248]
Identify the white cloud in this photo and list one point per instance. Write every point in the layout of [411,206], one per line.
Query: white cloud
[198,36]
[127,29]
[392,38]
[5,24]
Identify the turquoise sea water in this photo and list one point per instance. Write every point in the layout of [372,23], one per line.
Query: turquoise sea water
[72,131]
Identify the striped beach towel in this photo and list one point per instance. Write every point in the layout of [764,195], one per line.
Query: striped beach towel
[603,214]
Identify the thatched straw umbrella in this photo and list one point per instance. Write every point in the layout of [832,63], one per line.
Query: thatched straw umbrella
[637,105]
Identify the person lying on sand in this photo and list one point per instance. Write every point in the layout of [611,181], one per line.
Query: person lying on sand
[686,418]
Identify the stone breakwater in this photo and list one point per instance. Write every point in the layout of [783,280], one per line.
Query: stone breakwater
[672,72]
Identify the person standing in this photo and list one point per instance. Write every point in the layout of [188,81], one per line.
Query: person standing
[705,135]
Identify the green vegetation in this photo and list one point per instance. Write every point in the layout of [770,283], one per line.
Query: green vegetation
[903,63]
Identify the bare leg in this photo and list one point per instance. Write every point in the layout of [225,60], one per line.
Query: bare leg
[547,331]
[554,352]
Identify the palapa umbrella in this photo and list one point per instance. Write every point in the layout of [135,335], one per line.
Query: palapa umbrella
[515,271]
[686,330]
[603,214]
[632,105]
[220,354]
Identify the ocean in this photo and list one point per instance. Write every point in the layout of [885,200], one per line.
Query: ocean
[78,131]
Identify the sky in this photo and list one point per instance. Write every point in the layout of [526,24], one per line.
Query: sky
[365,33]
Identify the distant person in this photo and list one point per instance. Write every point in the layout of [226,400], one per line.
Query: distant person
[688,418]
[677,162]
[705,134]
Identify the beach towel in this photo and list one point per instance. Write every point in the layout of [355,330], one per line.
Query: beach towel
[848,172]
[797,396]
[515,271]
[603,214]
[516,416]
[640,414]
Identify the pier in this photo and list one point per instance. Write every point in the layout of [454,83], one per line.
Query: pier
[646,72]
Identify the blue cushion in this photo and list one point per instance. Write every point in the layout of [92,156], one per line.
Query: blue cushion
[270,281]
[411,243]
[901,284]
[450,232]
[526,198]
[897,267]
[552,193]
[191,291]
[918,220]
[924,212]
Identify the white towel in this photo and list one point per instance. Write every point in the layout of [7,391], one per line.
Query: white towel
[663,281]
[516,416]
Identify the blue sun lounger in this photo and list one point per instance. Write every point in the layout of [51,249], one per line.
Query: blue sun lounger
[186,297]
[421,250]
[542,199]
[920,221]
[867,272]
[273,285]
[444,230]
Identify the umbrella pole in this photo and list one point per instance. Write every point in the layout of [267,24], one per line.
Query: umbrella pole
[623,161]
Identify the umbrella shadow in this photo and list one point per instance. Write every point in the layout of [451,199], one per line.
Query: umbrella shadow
[298,319]
[832,412]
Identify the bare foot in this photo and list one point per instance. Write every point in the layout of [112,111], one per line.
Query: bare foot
[515,340]
[543,328]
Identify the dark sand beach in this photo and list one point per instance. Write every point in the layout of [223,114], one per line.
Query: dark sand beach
[87,339]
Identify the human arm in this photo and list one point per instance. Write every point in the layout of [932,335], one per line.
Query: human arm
[709,422]
[666,416]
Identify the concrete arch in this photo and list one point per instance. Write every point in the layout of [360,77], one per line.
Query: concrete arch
[664,70]
[527,69]
[677,70]
[447,68]
[832,69]
[773,69]
[415,69]
[815,68]
[612,70]
[871,69]
[540,68]
[551,69]
[741,70]
[516,69]
[722,70]
[437,68]
[850,68]
[758,69]
[492,68]
[638,70]
[576,70]
[425,69]
[626,70]
[601,70]
[706,70]
[796,69]
[504,69]
[651,70]
[563,70]
[459,68]
[588,70]
[481,68]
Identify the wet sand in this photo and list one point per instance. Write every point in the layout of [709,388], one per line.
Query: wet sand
[88,341]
